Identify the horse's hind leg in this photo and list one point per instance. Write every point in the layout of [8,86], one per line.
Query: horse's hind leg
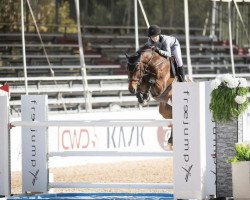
[166,111]
[170,140]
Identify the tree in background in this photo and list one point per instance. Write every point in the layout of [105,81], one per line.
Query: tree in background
[44,13]
[10,15]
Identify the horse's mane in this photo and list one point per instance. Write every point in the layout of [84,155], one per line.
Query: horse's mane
[135,57]
[144,48]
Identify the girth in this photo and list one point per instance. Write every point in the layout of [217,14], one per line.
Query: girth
[161,97]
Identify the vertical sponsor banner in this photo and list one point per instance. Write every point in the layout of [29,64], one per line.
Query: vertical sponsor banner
[34,145]
[210,178]
[4,147]
[189,140]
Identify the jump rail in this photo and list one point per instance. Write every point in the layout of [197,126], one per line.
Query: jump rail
[111,154]
[96,123]
[113,185]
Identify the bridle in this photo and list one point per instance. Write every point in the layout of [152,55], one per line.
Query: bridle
[144,71]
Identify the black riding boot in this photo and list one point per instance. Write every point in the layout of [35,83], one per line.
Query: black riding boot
[180,73]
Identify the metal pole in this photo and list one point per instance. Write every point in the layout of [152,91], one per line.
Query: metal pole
[82,60]
[24,50]
[144,13]
[186,16]
[214,10]
[241,19]
[136,26]
[230,38]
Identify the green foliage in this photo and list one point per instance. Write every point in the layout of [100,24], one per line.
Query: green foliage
[223,104]
[10,13]
[102,14]
[65,20]
[242,153]
[45,16]
[44,13]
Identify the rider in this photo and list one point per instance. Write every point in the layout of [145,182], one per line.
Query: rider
[166,46]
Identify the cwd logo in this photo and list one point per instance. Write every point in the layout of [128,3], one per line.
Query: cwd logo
[76,139]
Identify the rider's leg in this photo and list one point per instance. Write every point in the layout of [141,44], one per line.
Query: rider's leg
[181,74]
[178,58]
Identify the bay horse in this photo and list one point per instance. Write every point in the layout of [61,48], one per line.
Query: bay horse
[151,74]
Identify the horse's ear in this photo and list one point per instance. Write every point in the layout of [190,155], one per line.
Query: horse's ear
[127,56]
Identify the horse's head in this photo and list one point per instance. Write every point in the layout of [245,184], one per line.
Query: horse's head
[136,67]
[135,71]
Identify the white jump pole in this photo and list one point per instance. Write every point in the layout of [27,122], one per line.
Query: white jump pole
[5,189]
[94,123]
[193,139]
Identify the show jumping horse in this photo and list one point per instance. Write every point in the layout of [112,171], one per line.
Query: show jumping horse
[151,74]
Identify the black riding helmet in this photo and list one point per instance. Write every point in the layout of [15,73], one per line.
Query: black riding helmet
[154,30]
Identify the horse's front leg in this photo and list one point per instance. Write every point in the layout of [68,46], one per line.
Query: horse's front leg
[142,93]
[139,96]
[142,97]
[146,94]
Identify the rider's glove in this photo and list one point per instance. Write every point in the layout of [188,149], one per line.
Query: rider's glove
[156,49]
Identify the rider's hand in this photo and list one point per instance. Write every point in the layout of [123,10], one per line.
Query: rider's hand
[156,49]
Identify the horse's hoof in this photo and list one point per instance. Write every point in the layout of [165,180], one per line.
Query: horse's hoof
[140,101]
[139,98]
[144,102]
[146,97]
[170,147]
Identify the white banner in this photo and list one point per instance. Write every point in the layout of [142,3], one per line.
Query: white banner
[4,147]
[189,125]
[34,141]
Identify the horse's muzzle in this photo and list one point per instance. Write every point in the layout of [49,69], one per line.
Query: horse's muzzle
[132,86]
[131,90]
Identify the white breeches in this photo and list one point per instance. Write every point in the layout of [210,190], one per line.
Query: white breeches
[176,52]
